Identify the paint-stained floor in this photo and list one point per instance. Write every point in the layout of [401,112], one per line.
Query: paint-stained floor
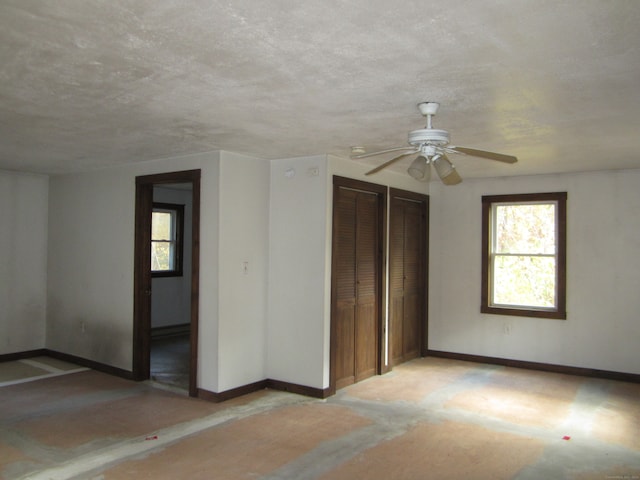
[429,418]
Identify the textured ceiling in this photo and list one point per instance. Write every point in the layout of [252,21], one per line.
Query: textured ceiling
[87,83]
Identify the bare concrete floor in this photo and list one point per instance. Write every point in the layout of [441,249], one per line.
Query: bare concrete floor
[428,419]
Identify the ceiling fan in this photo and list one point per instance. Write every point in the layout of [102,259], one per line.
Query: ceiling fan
[432,145]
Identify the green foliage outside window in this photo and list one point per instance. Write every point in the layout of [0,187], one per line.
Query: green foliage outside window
[524,265]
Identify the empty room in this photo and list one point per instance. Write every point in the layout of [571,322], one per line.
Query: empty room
[319,240]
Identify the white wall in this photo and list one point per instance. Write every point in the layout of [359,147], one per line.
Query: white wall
[90,285]
[244,237]
[23,261]
[90,268]
[171,296]
[296,333]
[603,274]
[91,241]
[301,209]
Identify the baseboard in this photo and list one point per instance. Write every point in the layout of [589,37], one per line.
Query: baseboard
[261,385]
[100,367]
[12,357]
[233,393]
[299,389]
[201,392]
[545,367]
[83,362]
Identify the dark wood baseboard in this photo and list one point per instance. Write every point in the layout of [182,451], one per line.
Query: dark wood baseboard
[84,362]
[12,357]
[261,385]
[299,389]
[233,393]
[545,367]
[201,393]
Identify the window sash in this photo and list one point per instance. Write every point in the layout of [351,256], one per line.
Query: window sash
[494,225]
[533,304]
[171,260]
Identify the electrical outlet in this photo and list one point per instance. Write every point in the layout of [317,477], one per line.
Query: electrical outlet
[245,268]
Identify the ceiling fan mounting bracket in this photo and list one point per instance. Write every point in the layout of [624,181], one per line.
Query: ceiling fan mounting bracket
[428,108]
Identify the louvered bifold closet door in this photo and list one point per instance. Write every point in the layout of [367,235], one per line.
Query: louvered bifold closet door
[356,280]
[366,286]
[345,285]
[406,278]
[396,281]
[413,280]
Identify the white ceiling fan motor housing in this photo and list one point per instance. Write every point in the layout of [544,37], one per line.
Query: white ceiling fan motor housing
[429,136]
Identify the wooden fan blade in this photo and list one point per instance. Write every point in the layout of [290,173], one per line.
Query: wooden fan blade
[482,154]
[380,152]
[393,160]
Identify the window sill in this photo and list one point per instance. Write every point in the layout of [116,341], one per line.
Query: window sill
[521,312]
[166,274]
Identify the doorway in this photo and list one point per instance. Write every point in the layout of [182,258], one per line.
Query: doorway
[174,343]
[357,281]
[408,267]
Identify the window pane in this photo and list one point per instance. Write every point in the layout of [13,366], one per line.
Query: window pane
[525,228]
[161,226]
[524,281]
[161,256]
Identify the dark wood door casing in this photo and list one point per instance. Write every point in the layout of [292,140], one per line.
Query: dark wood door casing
[357,281]
[142,271]
[408,263]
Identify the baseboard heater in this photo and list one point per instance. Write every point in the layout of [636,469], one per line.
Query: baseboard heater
[170,330]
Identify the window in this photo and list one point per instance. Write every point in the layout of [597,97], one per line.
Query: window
[524,255]
[166,240]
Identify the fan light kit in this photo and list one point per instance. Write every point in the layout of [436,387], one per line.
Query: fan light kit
[432,145]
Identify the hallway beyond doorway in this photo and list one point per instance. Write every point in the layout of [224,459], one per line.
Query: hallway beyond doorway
[170,360]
